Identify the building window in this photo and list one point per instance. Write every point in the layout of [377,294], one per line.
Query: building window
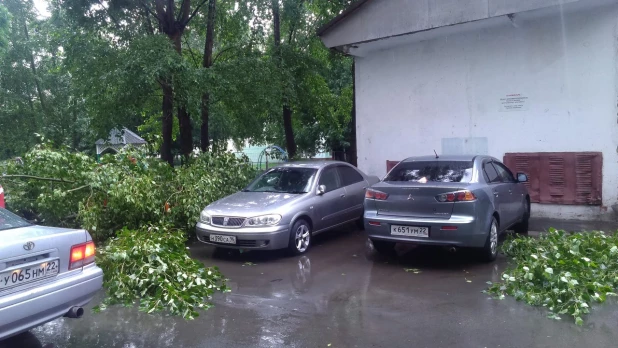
[573,178]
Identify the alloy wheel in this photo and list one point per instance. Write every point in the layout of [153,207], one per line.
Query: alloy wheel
[493,238]
[302,238]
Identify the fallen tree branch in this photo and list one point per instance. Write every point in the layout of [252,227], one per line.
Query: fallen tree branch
[37,178]
[78,188]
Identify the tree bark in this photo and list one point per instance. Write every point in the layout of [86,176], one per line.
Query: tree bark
[167,123]
[184,120]
[207,63]
[290,143]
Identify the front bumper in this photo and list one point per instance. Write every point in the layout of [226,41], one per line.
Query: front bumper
[468,233]
[264,238]
[32,307]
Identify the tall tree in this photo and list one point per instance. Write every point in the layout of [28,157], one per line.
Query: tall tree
[174,26]
[207,63]
[290,142]
[124,20]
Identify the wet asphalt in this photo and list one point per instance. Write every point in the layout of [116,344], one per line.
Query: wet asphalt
[340,294]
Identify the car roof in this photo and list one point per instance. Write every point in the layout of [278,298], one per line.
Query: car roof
[309,164]
[442,158]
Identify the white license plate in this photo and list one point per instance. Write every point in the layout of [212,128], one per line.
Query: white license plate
[29,274]
[222,239]
[410,231]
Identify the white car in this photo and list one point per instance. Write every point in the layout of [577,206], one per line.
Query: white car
[45,273]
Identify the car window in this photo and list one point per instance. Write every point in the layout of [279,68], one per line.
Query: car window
[284,180]
[424,171]
[504,172]
[9,220]
[329,179]
[491,173]
[349,176]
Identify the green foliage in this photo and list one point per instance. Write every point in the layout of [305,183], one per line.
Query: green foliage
[226,174]
[151,266]
[143,208]
[4,29]
[43,188]
[126,190]
[37,93]
[564,272]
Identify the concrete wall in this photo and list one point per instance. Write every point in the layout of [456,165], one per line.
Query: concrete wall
[446,94]
[384,18]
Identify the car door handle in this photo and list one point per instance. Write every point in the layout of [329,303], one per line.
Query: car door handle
[496,193]
[511,192]
[342,195]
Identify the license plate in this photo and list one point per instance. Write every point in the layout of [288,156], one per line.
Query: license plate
[29,274]
[222,239]
[410,231]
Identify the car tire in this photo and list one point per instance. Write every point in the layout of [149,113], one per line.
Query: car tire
[523,225]
[300,237]
[383,247]
[360,224]
[489,252]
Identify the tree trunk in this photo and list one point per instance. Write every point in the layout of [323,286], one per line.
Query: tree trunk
[351,152]
[184,120]
[207,63]
[167,122]
[290,143]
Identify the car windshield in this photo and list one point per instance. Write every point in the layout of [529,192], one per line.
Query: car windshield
[9,220]
[436,171]
[284,180]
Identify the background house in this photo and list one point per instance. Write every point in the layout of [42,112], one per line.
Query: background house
[117,140]
[532,82]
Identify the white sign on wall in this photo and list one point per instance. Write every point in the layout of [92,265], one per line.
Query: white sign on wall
[514,102]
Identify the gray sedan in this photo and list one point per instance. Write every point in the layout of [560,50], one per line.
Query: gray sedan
[45,273]
[456,201]
[286,206]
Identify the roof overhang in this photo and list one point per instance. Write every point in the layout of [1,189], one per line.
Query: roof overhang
[367,23]
[348,11]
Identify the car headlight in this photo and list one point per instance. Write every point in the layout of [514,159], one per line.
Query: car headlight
[264,220]
[204,218]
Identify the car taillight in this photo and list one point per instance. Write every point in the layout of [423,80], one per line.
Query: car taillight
[377,195]
[459,196]
[81,255]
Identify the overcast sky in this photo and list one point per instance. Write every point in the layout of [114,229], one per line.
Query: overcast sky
[41,7]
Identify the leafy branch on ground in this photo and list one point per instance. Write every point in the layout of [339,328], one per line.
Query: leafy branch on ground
[564,272]
[139,210]
[152,267]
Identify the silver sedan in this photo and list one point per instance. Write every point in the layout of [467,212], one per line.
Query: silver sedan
[456,201]
[45,273]
[286,206]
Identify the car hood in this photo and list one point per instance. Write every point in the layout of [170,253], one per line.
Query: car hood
[247,204]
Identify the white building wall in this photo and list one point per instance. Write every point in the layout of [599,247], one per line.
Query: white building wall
[415,98]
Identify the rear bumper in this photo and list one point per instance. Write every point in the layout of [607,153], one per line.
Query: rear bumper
[29,308]
[268,238]
[468,233]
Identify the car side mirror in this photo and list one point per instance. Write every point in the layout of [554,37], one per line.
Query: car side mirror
[521,177]
[321,190]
